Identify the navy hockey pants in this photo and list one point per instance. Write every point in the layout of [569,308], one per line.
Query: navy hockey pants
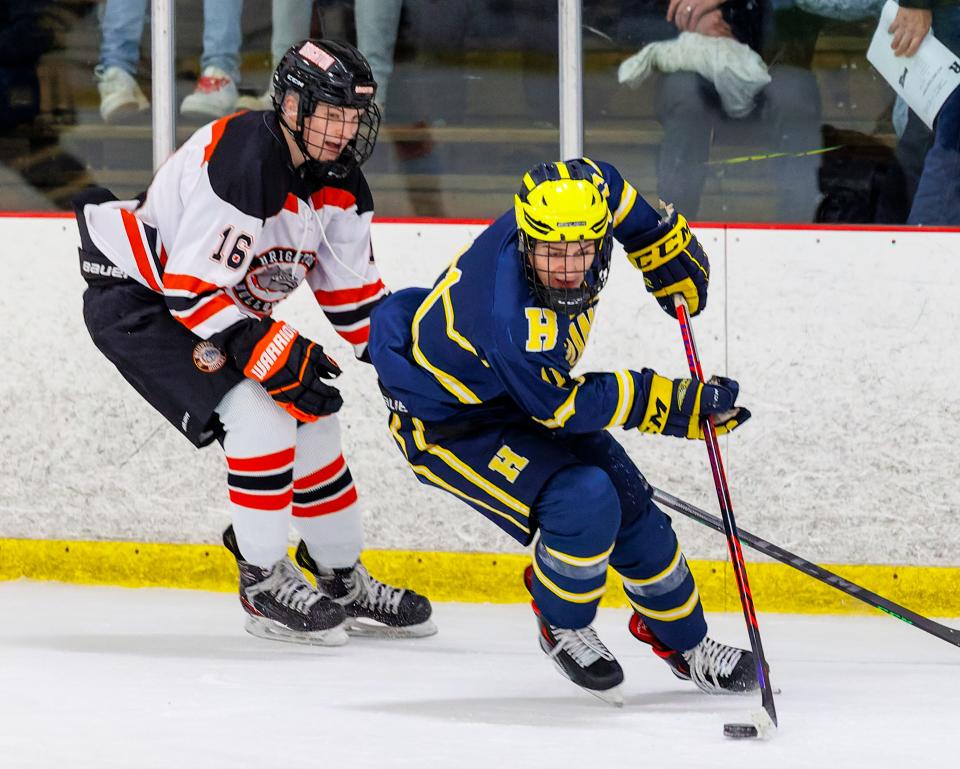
[591,506]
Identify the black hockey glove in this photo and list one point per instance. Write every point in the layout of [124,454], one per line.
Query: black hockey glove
[677,407]
[289,366]
[672,262]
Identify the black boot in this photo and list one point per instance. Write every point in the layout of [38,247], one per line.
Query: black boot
[373,608]
[282,605]
[579,655]
[714,667]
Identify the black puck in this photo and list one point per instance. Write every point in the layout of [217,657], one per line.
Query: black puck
[740,731]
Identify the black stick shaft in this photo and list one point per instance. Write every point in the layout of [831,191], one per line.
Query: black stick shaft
[948,634]
[729,522]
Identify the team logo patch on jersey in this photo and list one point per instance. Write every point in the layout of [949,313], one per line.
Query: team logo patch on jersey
[208,357]
[272,277]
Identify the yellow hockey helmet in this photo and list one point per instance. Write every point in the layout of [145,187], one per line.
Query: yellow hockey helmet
[560,202]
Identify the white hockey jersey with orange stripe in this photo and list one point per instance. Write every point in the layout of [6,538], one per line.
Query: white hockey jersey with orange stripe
[227,229]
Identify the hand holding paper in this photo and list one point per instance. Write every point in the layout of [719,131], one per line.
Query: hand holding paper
[924,79]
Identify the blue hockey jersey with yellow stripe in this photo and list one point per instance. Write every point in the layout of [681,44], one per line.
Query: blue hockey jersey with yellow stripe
[477,345]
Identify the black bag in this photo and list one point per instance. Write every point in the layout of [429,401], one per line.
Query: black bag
[861,182]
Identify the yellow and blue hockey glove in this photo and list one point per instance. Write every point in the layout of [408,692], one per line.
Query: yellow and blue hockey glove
[672,262]
[678,407]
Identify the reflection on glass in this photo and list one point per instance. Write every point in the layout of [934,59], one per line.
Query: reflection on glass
[757,110]
[745,110]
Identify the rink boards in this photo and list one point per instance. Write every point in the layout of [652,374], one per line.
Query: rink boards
[843,341]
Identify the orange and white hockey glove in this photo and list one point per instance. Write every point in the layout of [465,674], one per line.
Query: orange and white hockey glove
[290,367]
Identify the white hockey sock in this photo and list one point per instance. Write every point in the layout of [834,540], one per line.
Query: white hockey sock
[259,443]
[325,509]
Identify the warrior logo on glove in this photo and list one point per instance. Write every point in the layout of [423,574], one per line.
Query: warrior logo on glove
[673,262]
[289,366]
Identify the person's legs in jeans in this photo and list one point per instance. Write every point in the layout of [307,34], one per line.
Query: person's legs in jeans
[291,24]
[221,36]
[791,116]
[917,139]
[377,22]
[216,92]
[122,29]
[687,107]
[937,201]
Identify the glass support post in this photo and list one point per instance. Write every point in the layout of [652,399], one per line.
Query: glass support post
[571,79]
[163,93]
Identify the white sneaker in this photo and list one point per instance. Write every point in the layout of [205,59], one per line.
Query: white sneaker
[263,101]
[215,95]
[120,96]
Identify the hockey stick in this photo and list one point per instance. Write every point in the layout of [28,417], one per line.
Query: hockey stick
[733,540]
[948,634]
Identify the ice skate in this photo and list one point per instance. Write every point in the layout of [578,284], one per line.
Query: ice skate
[282,605]
[580,656]
[714,667]
[373,608]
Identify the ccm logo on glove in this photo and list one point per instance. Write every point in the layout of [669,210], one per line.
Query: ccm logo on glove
[678,407]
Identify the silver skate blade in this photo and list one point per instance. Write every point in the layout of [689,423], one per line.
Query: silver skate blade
[744,693]
[368,628]
[612,696]
[268,629]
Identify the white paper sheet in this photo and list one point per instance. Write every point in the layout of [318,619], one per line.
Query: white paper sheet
[924,80]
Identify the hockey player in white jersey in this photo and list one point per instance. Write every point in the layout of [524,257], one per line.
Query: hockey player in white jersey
[181,286]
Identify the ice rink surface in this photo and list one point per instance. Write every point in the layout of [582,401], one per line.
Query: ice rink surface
[110,677]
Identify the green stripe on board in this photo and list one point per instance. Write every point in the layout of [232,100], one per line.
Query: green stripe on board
[475,577]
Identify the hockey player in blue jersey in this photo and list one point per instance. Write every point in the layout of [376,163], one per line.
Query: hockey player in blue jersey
[477,374]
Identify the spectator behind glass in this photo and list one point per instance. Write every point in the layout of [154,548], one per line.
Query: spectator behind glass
[937,197]
[290,21]
[786,118]
[122,29]
[377,24]
[24,37]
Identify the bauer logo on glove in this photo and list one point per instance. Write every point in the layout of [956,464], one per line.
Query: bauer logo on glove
[672,262]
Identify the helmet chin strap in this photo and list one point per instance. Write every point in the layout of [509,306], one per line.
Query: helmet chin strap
[310,165]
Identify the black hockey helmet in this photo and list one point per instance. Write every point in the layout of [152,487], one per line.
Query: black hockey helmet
[335,73]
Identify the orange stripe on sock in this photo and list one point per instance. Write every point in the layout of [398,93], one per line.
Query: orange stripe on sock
[357,336]
[322,475]
[262,501]
[273,461]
